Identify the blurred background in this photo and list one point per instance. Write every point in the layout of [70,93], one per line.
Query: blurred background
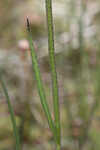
[77,36]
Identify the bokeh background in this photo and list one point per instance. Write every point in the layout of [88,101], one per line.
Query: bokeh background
[77,43]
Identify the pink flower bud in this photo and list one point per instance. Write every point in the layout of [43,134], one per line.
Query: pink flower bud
[23,45]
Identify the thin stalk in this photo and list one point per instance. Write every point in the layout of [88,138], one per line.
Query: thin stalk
[39,82]
[11,113]
[53,68]
[58,147]
[80,36]
[96,78]
[81,89]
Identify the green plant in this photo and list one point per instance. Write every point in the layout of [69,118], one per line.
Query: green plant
[54,125]
[11,113]
[85,116]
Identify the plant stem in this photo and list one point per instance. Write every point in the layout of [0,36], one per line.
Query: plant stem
[53,67]
[58,146]
[39,81]
[11,113]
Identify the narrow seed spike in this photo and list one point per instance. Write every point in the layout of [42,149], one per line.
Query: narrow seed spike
[28,25]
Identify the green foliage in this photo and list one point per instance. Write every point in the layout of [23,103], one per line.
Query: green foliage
[54,126]
[79,60]
[39,81]
[53,67]
[11,113]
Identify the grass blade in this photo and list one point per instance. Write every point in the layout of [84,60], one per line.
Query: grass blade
[53,67]
[39,81]
[11,113]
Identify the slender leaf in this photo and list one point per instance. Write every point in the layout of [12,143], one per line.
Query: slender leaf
[39,81]
[53,67]
[11,113]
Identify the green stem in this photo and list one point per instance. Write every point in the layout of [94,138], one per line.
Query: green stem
[58,147]
[53,67]
[11,113]
[39,81]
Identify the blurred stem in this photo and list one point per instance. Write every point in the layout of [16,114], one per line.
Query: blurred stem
[81,89]
[71,21]
[11,113]
[94,106]
[53,69]
[81,30]
[39,82]
[58,147]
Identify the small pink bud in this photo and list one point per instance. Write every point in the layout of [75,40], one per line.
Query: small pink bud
[23,45]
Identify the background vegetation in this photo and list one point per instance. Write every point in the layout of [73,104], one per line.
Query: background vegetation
[77,38]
